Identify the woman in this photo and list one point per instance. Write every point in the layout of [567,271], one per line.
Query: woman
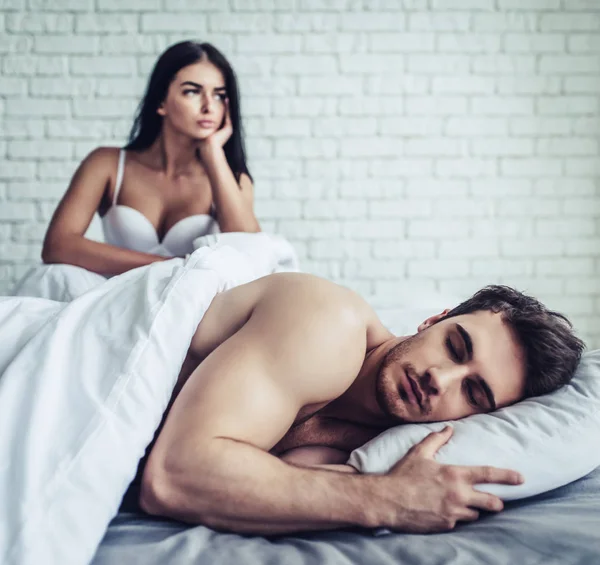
[182,175]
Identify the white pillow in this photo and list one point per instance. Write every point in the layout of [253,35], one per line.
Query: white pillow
[551,440]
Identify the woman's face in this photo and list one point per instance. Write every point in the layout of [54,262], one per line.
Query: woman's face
[196,100]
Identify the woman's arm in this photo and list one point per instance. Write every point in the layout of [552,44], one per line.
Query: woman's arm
[65,241]
[234,202]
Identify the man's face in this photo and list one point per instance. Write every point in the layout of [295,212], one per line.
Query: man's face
[464,365]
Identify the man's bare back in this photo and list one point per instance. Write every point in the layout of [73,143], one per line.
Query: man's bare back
[294,360]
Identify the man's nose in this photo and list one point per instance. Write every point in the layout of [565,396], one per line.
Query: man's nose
[441,379]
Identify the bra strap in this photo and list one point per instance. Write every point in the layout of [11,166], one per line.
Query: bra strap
[120,171]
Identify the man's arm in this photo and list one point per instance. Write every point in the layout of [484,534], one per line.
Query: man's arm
[210,463]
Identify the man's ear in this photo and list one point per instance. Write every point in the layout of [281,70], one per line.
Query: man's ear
[432,320]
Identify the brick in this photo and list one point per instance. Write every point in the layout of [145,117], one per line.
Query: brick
[56,170]
[583,248]
[569,22]
[435,147]
[529,207]
[268,86]
[18,252]
[305,65]
[402,42]
[129,6]
[239,22]
[395,168]
[501,228]
[131,44]
[104,108]
[404,249]
[410,84]
[337,127]
[290,127]
[540,126]
[433,267]
[467,248]
[38,23]
[12,4]
[568,105]
[505,21]
[565,186]
[29,232]
[439,21]
[61,5]
[305,229]
[13,86]
[529,85]
[542,5]
[582,207]
[567,146]
[582,166]
[63,87]
[340,168]
[472,167]
[504,64]
[436,105]
[411,126]
[541,247]
[501,267]
[569,64]
[21,128]
[534,43]
[331,43]
[323,148]
[500,187]
[370,268]
[102,66]
[436,187]
[14,211]
[377,22]
[279,210]
[37,107]
[41,149]
[530,167]
[299,22]
[370,106]
[34,65]
[266,43]
[12,170]
[438,64]
[161,22]
[582,84]
[281,169]
[338,249]
[410,208]
[502,105]
[468,43]
[374,147]
[463,207]
[254,5]
[373,229]
[585,125]
[473,127]
[462,85]
[427,229]
[106,23]
[120,87]
[369,63]
[36,190]
[502,147]
[15,44]
[324,209]
[56,44]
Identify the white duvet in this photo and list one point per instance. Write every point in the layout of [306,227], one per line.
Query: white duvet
[83,388]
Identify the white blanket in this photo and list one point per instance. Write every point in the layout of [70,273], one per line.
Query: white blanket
[83,388]
[66,282]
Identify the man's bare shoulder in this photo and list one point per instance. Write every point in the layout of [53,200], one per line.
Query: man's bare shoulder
[280,298]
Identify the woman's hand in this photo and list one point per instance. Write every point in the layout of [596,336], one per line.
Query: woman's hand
[220,137]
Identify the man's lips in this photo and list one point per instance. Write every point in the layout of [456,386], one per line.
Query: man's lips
[416,391]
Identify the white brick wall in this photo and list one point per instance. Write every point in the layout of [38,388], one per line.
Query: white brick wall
[405,147]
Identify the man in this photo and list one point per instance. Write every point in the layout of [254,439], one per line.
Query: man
[292,360]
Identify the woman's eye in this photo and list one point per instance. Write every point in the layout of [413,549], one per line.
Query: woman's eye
[220,97]
[188,92]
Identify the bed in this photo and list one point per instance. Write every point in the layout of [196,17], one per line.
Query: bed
[560,527]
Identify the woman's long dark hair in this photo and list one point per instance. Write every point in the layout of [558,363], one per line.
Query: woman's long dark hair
[148,123]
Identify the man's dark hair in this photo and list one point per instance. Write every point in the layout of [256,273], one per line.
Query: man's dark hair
[552,351]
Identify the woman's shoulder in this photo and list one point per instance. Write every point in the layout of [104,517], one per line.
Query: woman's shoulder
[103,155]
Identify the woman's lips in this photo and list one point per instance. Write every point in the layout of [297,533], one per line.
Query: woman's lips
[205,123]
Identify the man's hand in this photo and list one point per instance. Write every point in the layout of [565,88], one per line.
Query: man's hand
[424,496]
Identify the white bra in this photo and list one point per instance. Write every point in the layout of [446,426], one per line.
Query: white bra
[127,227]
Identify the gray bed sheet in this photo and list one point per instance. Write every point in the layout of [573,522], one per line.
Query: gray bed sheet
[561,527]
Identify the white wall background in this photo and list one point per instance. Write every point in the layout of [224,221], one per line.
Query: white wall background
[405,147]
